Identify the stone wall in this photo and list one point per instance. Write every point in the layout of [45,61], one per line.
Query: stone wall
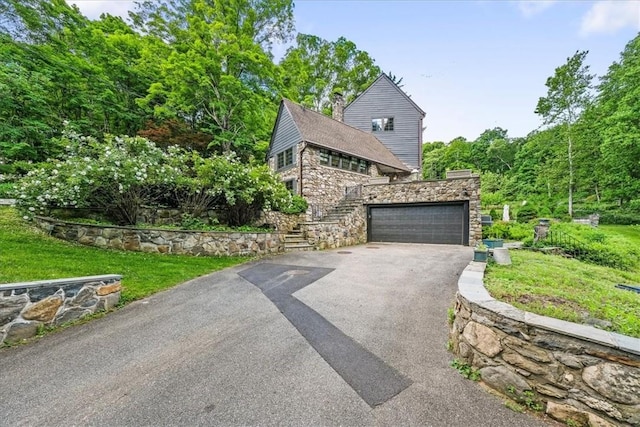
[324,185]
[580,375]
[348,231]
[146,215]
[280,221]
[448,190]
[166,241]
[24,307]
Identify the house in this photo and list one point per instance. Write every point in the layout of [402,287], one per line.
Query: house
[370,151]
[388,113]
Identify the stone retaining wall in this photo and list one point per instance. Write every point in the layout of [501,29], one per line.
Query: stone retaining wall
[580,375]
[24,307]
[213,243]
[280,221]
[447,190]
[348,231]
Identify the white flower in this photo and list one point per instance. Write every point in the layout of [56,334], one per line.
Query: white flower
[25,217]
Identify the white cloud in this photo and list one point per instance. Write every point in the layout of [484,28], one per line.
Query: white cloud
[533,7]
[611,16]
[92,9]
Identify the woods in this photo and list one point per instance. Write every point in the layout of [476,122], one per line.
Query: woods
[587,157]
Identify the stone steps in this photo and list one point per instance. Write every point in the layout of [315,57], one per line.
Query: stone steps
[295,241]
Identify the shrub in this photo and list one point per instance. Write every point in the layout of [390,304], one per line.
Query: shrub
[508,230]
[298,205]
[527,213]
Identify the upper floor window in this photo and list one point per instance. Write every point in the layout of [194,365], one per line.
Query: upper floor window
[382,124]
[342,161]
[285,158]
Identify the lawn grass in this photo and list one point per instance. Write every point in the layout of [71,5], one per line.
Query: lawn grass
[27,254]
[567,289]
[629,232]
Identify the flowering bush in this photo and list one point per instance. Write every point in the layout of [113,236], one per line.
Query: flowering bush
[121,174]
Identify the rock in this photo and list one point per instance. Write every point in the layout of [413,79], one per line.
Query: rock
[482,338]
[567,414]
[19,331]
[596,421]
[71,315]
[549,390]
[85,298]
[526,349]
[45,310]
[515,359]
[568,360]
[37,294]
[502,379]
[601,405]
[615,382]
[108,302]
[109,289]
[10,307]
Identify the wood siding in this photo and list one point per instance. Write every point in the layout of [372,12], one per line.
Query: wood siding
[383,99]
[285,134]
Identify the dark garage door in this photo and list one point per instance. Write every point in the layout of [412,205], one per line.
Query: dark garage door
[444,223]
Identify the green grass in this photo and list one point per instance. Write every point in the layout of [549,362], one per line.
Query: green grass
[629,232]
[567,289]
[27,254]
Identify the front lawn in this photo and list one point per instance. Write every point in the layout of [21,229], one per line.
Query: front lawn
[27,254]
[567,289]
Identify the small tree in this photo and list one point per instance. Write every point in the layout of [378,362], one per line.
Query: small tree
[568,95]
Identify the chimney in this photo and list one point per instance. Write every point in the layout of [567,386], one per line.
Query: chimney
[337,107]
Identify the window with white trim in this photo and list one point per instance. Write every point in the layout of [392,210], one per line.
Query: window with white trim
[382,124]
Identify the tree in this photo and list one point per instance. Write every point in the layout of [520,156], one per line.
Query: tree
[619,109]
[568,94]
[315,68]
[218,76]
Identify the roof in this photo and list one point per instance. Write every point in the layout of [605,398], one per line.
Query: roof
[384,76]
[323,131]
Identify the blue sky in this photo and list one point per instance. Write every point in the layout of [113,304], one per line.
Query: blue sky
[471,65]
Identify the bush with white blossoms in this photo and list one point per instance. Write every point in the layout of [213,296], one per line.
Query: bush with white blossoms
[121,174]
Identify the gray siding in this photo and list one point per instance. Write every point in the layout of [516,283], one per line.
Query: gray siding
[383,99]
[285,134]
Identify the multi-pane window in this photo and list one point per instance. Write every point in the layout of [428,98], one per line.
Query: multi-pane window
[342,161]
[291,185]
[382,124]
[285,158]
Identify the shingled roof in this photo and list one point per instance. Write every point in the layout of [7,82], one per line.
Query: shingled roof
[322,131]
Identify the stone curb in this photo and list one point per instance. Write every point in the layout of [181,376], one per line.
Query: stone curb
[471,287]
[57,282]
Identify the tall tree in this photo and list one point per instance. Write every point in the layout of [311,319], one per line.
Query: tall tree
[315,68]
[568,94]
[219,75]
[619,109]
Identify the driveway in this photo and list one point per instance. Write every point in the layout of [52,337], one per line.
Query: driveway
[354,336]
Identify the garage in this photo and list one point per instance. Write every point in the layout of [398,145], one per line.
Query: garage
[439,223]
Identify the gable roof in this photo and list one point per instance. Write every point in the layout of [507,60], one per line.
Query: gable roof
[400,91]
[323,131]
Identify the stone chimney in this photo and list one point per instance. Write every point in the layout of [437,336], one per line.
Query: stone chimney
[337,107]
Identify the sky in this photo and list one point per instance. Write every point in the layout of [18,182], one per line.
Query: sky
[470,65]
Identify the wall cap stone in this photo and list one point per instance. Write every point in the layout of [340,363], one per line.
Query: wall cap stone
[423,181]
[471,287]
[59,282]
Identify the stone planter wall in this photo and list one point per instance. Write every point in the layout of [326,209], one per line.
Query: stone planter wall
[447,190]
[581,375]
[213,243]
[24,307]
[350,230]
[280,221]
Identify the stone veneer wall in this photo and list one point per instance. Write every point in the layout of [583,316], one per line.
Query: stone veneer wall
[348,231]
[280,221]
[584,376]
[24,307]
[166,241]
[325,185]
[448,190]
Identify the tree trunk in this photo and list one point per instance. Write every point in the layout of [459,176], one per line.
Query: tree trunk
[570,171]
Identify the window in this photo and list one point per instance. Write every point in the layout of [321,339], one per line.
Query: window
[382,124]
[291,185]
[342,161]
[285,158]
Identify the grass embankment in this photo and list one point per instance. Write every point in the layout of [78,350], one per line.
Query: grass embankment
[568,289]
[27,254]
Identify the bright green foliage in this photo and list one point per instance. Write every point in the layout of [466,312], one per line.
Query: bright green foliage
[466,370]
[315,68]
[122,174]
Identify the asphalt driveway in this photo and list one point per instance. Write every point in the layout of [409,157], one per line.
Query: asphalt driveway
[345,337]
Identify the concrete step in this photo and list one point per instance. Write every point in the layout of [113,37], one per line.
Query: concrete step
[298,247]
[295,241]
